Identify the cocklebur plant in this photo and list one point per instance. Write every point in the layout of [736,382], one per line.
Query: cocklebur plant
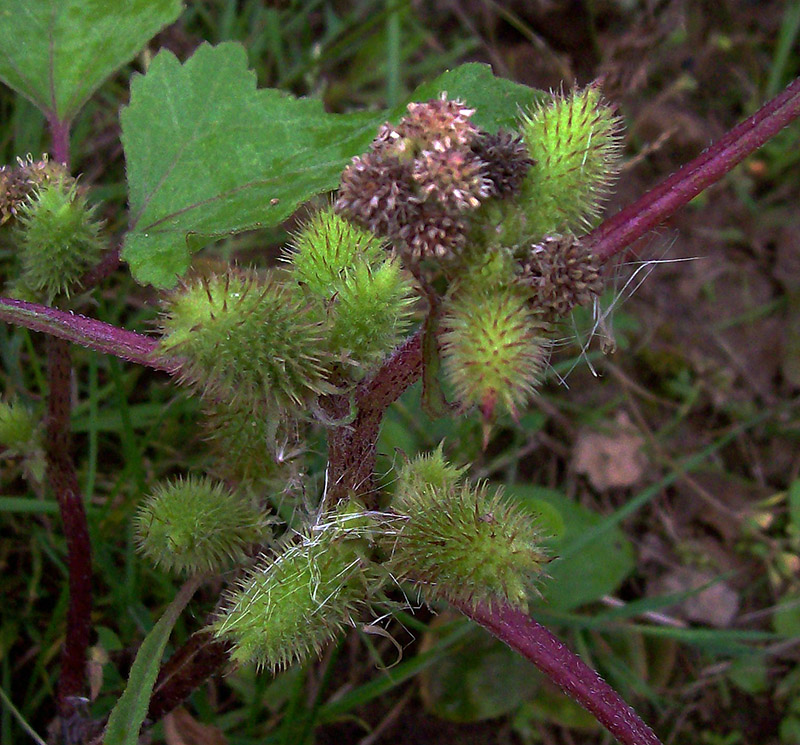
[343,298]
[447,213]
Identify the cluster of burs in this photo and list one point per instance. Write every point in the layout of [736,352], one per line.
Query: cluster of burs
[481,231]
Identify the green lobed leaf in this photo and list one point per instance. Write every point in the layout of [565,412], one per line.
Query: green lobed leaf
[58,52]
[209,154]
[498,102]
[596,570]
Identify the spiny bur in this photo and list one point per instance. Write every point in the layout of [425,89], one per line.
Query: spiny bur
[21,435]
[366,297]
[419,180]
[290,605]
[19,429]
[247,339]
[492,347]
[196,525]
[428,470]
[562,274]
[575,143]
[59,239]
[255,450]
[462,541]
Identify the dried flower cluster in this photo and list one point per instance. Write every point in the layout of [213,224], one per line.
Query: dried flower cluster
[421,179]
[562,274]
[18,183]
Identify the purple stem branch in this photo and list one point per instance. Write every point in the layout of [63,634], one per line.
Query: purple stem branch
[681,187]
[64,483]
[538,645]
[102,270]
[351,448]
[88,332]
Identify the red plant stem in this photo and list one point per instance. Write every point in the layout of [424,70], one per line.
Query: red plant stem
[97,335]
[103,269]
[681,187]
[534,642]
[201,656]
[351,448]
[64,483]
[59,134]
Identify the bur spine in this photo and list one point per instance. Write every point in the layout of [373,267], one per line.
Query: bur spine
[492,346]
[59,239]
[361,290]
[575,142]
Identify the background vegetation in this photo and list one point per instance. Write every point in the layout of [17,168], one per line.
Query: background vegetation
[685,434]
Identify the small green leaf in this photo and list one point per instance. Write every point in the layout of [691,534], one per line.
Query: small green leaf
[209,154]
[790,730]
[554,708]
[596,570]
[749,674]
[131,708]
[58,52]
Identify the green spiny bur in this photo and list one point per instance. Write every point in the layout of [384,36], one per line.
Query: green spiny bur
[575,142]
[326,247]
[248,339]
[428,470]
[492,347]
[463,542]
[196,525]
[371,312]
[289,606]
[254,448]
[364,293]
[59,239]
[21,435]
[19,429]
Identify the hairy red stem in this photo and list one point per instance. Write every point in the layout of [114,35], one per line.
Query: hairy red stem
[534,642]
[631,223]
[64,483]
[351,448]
[78,329]
[103,269]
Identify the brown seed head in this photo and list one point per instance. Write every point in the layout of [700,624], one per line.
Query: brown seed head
[452,178]
[506,160]
[563,274]
[378,192]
